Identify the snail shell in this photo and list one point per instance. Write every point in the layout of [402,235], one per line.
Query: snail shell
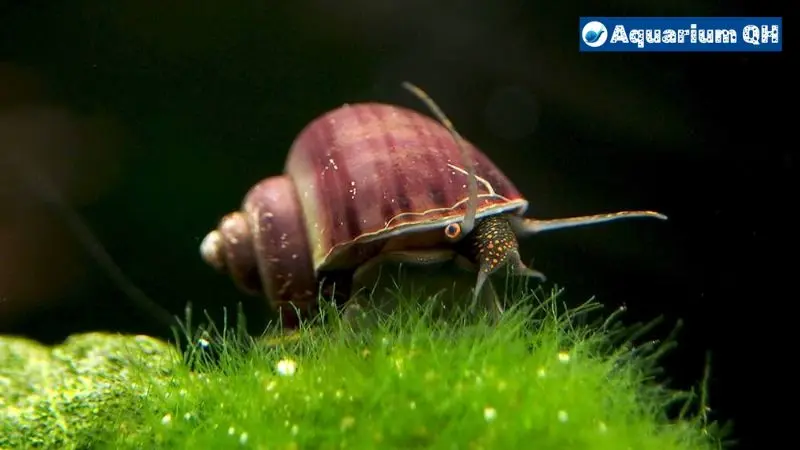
[358,180]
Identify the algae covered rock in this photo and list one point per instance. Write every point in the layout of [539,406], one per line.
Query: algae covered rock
[65,396]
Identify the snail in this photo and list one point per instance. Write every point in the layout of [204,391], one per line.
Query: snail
[373,183]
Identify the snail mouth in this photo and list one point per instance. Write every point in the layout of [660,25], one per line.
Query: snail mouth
[512,262]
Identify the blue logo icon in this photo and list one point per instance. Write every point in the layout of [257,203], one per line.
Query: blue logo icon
[594,34]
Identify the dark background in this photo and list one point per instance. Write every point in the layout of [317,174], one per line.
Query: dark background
[152,119]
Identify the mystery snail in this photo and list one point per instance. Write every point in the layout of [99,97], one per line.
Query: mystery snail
[370,183]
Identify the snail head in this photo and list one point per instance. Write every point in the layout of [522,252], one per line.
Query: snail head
[492,246]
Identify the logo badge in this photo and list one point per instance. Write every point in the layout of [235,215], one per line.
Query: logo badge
[594,34]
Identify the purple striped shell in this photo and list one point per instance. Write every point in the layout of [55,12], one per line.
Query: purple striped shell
[369,172]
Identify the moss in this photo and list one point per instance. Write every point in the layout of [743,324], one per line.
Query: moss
[536,379]
[65,397]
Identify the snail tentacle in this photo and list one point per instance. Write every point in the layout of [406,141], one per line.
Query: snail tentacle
[472,182]
[526,226]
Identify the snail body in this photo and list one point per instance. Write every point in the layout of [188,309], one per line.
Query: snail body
[369,183]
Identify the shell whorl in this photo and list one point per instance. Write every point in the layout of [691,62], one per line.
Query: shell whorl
[264,247]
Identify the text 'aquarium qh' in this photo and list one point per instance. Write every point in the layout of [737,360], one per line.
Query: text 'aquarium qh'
[680,34]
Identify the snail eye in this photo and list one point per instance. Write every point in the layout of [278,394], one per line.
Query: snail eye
[452,231]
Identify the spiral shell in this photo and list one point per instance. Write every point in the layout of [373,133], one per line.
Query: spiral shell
[357,179]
